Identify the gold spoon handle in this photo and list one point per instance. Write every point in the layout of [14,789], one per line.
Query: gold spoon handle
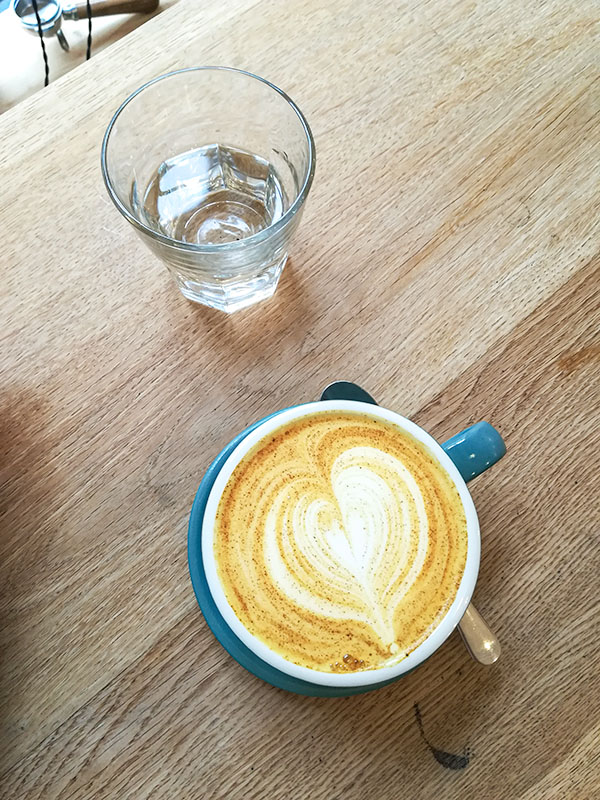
[478,638]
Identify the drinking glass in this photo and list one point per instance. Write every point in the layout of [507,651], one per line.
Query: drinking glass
[212,166]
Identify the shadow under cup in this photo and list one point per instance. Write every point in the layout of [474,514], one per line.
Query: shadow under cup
[212,166]
[470,452]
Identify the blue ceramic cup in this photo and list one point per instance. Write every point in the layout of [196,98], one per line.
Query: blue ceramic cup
[463,457]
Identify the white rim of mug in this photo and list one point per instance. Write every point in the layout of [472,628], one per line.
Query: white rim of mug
[224,246]
[442,630]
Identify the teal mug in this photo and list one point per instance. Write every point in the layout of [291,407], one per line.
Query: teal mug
[464,456]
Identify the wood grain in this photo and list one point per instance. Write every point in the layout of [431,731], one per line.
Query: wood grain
[448,261]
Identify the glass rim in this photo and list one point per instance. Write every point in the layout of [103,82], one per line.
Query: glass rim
[255,238]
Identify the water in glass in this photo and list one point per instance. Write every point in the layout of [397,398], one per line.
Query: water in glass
[212,195]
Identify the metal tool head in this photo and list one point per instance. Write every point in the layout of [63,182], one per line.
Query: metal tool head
[50,13]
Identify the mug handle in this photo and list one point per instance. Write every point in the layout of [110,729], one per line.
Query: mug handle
[473,450]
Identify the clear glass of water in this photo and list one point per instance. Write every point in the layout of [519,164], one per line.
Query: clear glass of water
[212,166]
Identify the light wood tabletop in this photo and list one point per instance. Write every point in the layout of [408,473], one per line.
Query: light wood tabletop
[448,262]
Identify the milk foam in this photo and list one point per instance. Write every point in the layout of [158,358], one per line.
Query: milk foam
[340,540]
[347,541]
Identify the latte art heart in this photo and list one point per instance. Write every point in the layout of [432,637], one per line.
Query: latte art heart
[340,542]
[368,545]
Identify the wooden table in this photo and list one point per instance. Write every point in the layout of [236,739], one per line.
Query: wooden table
[448,262]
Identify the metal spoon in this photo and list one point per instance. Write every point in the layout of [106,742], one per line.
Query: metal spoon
[482,645]
[479,640]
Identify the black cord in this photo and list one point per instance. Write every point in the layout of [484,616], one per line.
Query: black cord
[41,35]
[88,8]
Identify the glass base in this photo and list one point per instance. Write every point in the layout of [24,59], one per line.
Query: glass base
[231,294]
